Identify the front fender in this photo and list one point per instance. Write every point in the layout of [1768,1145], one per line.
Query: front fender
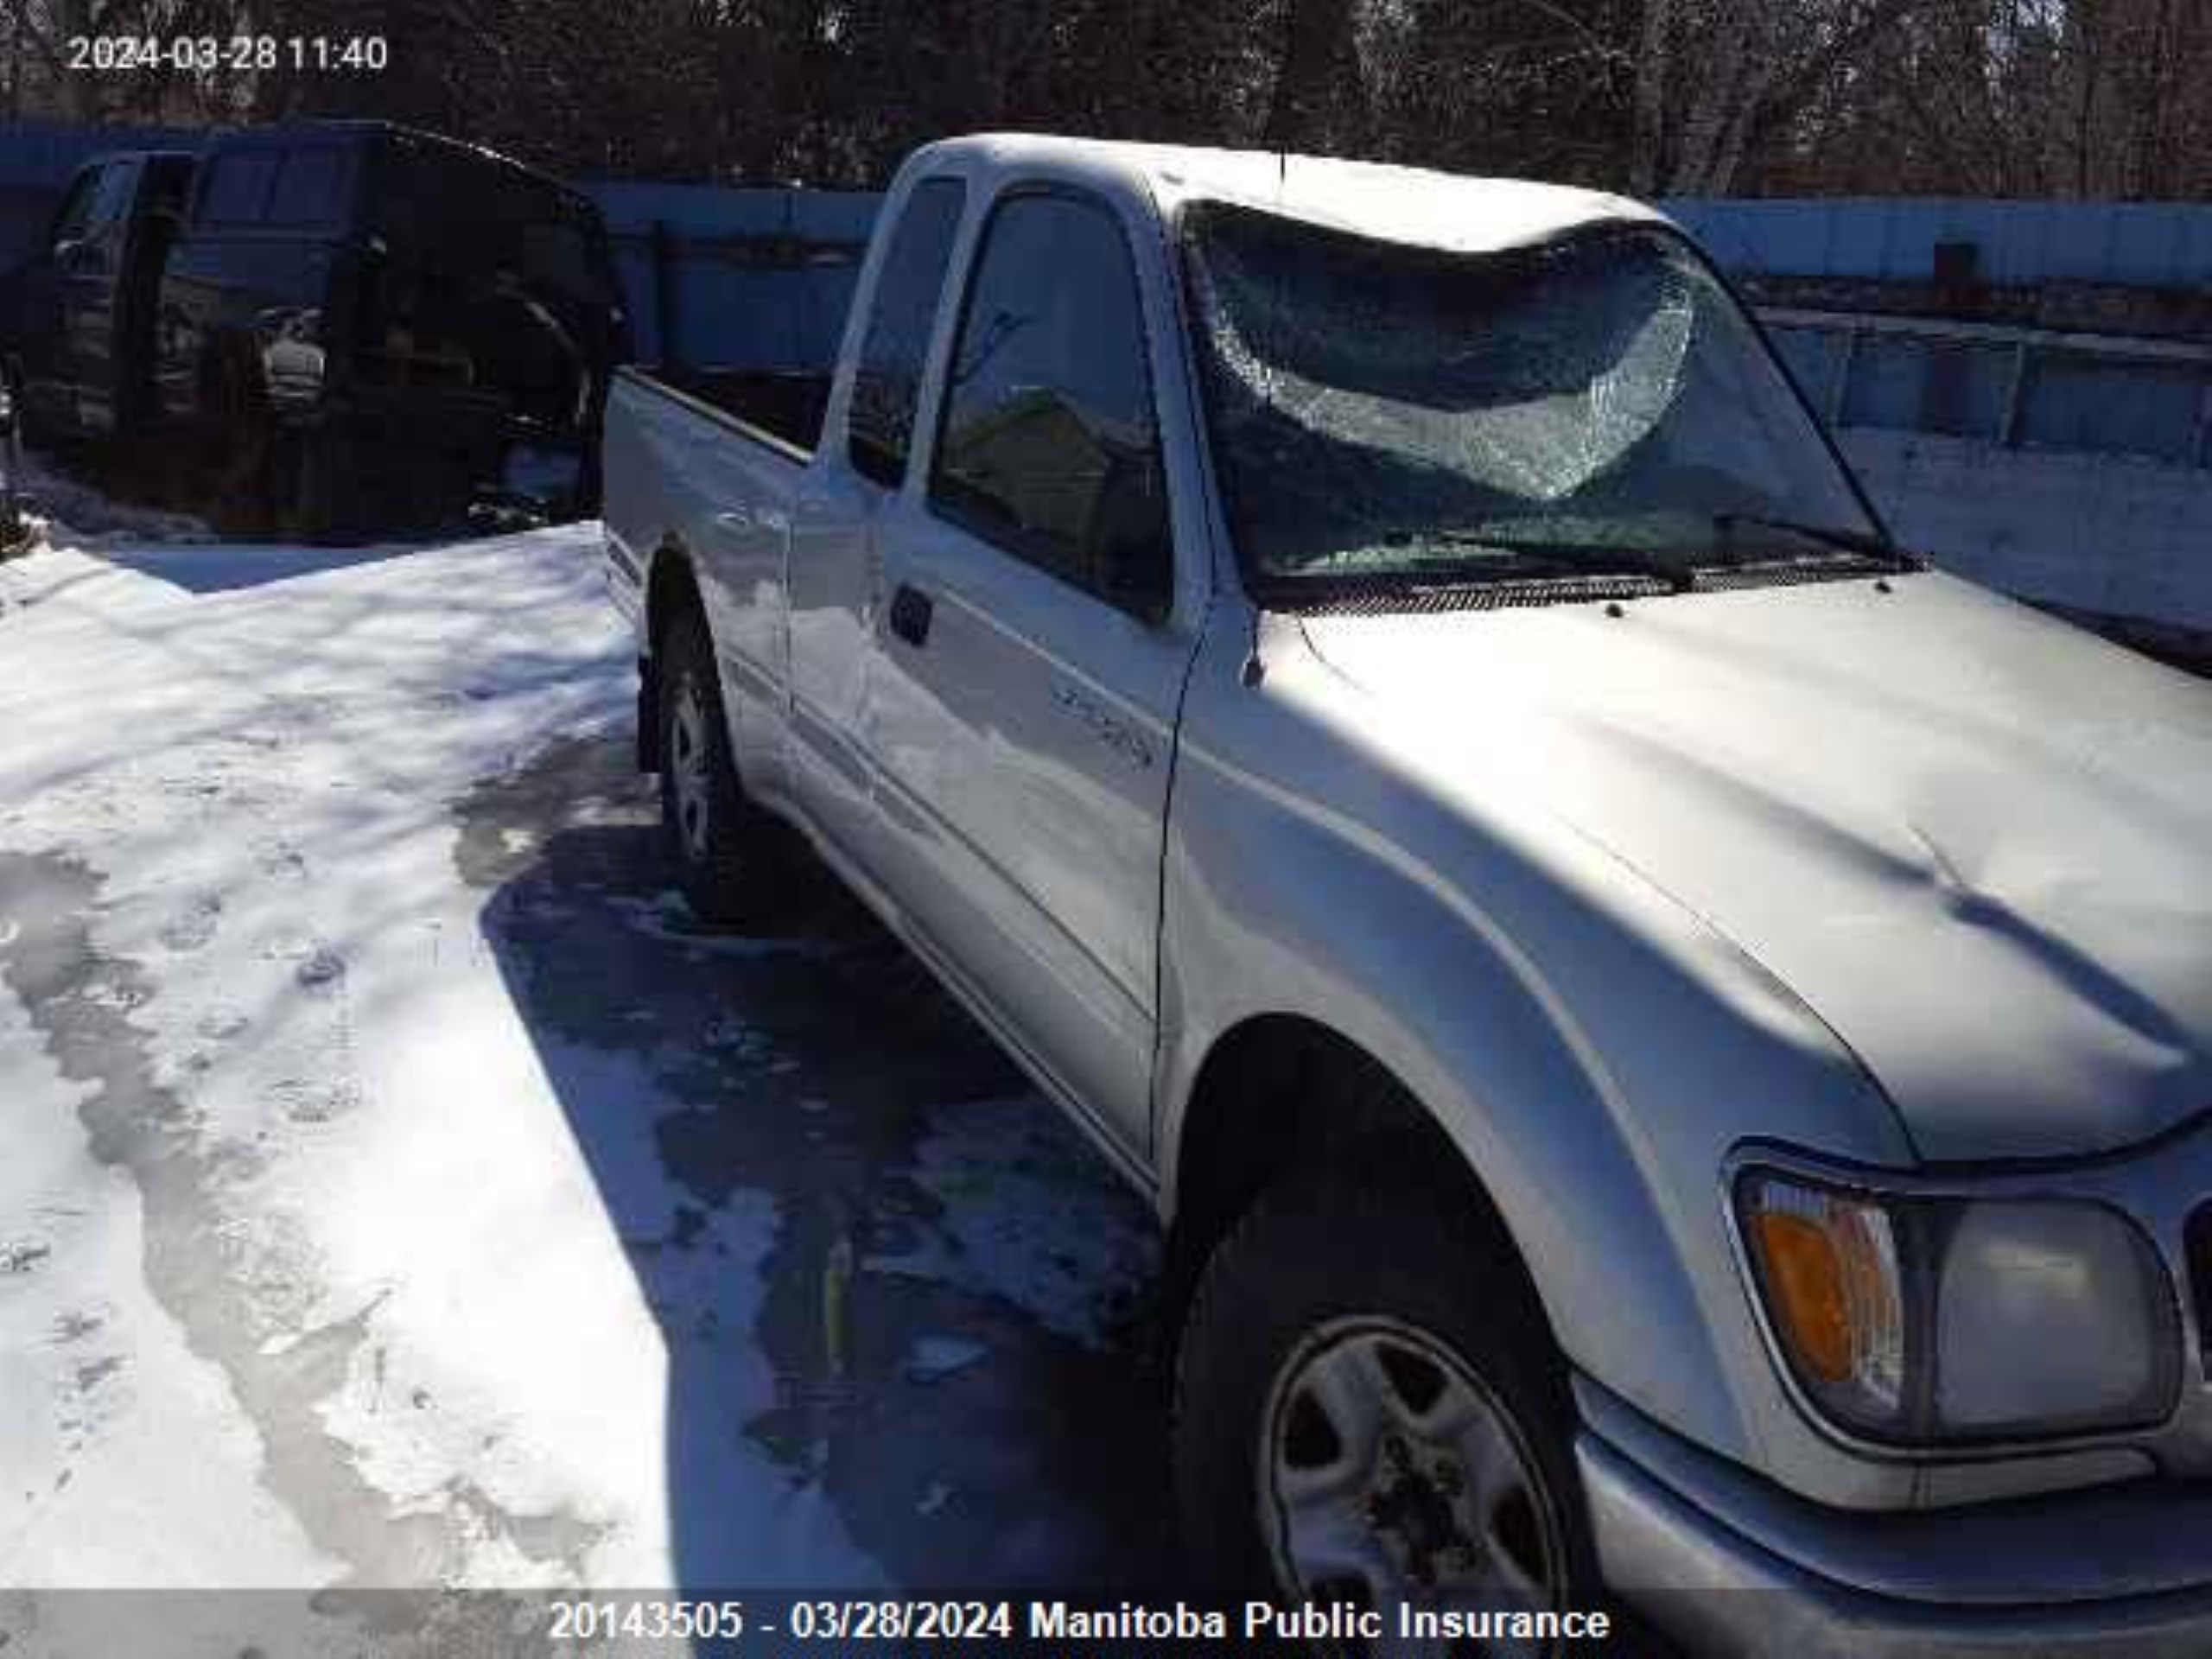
[1592,1049]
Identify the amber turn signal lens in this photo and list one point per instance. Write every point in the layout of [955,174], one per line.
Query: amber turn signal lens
[1809,1298]
[1827,1270]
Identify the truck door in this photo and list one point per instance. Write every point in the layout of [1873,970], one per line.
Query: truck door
[1030,659]
[55,287]
[834,580]
[90,264]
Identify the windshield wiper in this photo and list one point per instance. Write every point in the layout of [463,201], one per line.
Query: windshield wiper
[1843,541]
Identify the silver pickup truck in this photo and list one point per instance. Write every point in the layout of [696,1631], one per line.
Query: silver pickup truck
[1674,1042]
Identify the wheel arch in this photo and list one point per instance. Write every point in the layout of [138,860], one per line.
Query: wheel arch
[672,587]
[1548,1177]
[1279,1092]
[671,582]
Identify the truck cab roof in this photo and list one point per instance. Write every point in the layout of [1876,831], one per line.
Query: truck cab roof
[1399,204]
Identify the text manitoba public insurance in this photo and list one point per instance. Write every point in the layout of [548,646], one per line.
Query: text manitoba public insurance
[1341,1621]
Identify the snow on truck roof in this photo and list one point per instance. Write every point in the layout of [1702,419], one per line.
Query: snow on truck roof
[1398,204]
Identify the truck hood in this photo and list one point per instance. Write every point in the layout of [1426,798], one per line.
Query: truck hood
[1976,842]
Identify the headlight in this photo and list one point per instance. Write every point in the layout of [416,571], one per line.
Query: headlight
[1932,1321]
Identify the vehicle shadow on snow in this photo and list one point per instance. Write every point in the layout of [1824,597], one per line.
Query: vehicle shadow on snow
[233,567]
[951,1297]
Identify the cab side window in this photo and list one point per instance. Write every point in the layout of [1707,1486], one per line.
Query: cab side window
[111,202]
[1050,446]
[887,381]
[75,218]
[99,202]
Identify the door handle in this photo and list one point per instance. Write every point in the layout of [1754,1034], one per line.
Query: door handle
[910,610]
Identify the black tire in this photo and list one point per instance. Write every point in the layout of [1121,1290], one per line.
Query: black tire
[30,431]
[242,461]
[1336,1250]
[311,488]
[726,850]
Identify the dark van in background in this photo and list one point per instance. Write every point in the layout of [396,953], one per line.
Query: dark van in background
[328,329]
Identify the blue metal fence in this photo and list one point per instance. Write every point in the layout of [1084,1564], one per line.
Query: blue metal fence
[753,278]
[2015,388]
[2151,244]
[2144,395]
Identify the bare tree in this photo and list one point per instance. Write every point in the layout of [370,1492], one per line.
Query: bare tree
[1717,80]
[1317,103]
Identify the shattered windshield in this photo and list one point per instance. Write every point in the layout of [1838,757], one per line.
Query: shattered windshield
[1595,404]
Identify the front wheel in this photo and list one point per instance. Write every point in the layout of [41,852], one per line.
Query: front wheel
[1369,1408]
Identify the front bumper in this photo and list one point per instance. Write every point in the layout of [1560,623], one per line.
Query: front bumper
[1725,1563]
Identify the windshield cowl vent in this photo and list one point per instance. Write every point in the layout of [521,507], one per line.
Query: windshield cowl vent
[1797,573]
[1395,598]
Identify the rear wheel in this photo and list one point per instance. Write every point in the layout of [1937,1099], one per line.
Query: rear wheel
[242,454]
[725,849]
[310,486]
[1369,1408]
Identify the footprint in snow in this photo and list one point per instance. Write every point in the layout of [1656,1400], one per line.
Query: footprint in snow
[75,1325]
[22,1256]
[280,858]
[92,1395]
[321,971]
[315,1102]
[93,1372]
[105,993]
[194,928]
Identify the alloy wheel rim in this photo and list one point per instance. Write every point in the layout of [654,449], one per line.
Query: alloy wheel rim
[688,769]
[1392,1475]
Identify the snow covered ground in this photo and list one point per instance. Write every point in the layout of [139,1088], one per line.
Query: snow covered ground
[398,1192]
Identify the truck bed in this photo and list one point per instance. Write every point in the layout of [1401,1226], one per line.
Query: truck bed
[786,406]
